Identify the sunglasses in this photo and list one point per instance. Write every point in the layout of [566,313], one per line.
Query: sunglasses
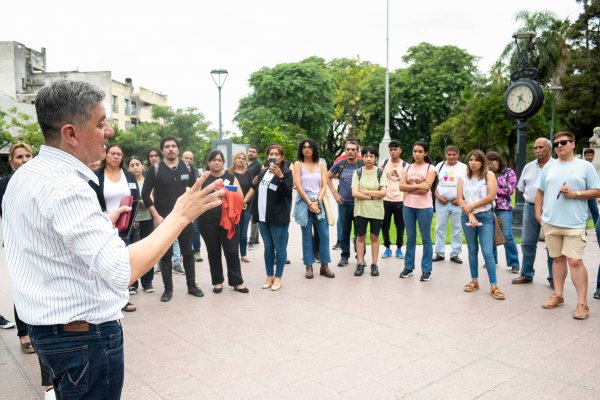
[561,143]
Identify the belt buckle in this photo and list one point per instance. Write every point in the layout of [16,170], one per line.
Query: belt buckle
[77,326]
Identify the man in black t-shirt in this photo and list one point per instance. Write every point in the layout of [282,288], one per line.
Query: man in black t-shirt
[254,166]
[169,179]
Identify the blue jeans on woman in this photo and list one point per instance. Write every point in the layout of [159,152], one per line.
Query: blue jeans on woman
[275,237]
[485,235]
[510,247]
[423,216]
[307,245]
[84,365]
[244,222]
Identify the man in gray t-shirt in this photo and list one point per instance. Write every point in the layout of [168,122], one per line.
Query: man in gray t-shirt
[344,170]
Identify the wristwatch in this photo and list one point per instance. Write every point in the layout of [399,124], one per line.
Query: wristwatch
[577,194]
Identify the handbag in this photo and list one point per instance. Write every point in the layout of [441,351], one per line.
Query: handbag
[328,211]
[499,238]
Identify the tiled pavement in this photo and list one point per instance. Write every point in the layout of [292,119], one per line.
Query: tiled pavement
[347,338]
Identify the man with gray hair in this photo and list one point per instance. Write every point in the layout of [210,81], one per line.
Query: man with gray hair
[531,227]
[69,279]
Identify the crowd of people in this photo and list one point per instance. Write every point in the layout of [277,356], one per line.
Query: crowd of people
[96,268]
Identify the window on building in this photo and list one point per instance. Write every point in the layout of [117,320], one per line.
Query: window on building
[115,104]
[115,122]
[127,107]
[133,108]
[127,125]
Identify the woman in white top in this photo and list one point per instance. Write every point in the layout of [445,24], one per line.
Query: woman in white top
[310,180]
[475,194]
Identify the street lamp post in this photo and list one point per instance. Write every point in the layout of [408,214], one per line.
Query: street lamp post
[555,89]
[384,151]
[219,76]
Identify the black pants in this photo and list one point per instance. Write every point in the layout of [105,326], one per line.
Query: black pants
[189,263]
[215,239]
[146,228]
[393,208]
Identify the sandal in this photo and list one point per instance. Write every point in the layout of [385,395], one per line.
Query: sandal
[129,307]
[471,286]
[497,293]
[27,348]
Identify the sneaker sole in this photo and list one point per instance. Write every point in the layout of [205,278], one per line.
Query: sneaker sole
[406,276]
[425,279]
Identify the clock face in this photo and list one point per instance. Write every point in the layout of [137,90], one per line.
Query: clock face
[520,98]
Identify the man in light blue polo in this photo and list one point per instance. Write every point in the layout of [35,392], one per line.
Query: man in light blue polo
[531,227]
[561,208]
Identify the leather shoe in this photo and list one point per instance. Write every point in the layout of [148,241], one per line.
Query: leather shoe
[195,291]
[437,257]
[242,289]
[456,259]
[309,272]
[217,289]
[522,279]
[166,296]
[326,272]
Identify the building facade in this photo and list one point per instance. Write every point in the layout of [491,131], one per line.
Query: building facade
[23,73]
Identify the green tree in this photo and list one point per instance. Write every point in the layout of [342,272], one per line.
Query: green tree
[579,104]
[23,127]
[296,95]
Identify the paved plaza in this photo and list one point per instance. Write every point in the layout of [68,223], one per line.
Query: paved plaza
[347,338]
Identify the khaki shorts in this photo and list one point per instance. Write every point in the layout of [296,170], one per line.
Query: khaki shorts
[568,242]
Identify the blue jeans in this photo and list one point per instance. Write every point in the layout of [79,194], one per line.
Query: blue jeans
[510,247]
[485,235]
[593,206]
[443,212]
[423,216]
[176,258]
[244,222]
[338,226]
[275,237]
[307,245]
[529,240]
[346,216]
[83,365]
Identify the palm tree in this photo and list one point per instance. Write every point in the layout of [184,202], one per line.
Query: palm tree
[550,50]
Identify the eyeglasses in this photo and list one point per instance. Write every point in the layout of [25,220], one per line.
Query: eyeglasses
[561,143]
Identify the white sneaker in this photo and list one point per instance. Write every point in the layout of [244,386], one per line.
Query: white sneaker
[49,395]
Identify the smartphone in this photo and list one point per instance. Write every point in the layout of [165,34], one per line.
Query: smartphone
[271,161]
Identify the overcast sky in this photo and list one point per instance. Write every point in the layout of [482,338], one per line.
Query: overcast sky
[171,46]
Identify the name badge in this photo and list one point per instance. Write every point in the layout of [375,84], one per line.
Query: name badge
[273,187]
[132,185]
[185,177]
[226,182]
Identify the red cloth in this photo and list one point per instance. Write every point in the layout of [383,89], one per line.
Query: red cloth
[231,212]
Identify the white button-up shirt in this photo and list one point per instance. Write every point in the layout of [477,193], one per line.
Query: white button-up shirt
[529,177]
[65,261]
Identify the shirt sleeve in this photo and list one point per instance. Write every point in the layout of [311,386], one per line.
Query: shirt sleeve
[541,181]
[509,184]
[334,170]
[592,179]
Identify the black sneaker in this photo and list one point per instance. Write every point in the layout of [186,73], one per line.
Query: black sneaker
[514,270]
[195,291]
[343,262]
[437,257]
[5,324]
[166,296]
[287,261]
[337,246]
[597,294]
[426,276]
[374,270]
[360,269]
[406,273]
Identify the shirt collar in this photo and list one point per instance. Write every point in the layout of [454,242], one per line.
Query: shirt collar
[80,168]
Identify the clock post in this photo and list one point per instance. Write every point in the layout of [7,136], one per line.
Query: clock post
[523,99]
